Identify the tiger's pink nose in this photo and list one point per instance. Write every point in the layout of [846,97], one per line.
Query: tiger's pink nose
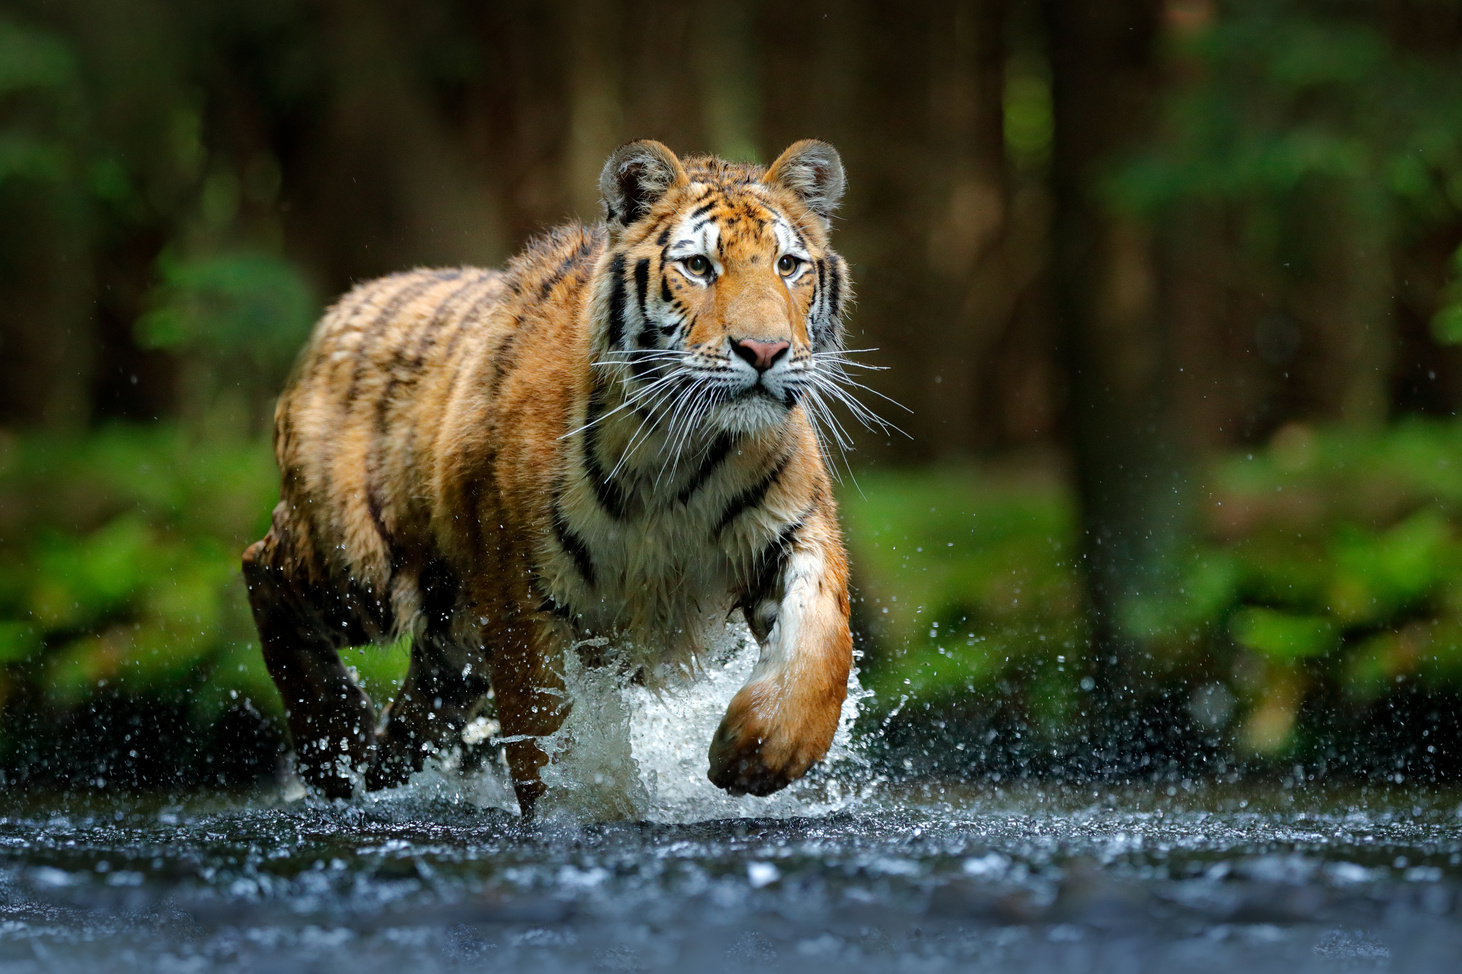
[759,355]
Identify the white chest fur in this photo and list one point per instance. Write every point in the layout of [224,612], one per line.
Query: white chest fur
[654,564]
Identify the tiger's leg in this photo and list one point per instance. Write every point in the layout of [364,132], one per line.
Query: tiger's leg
[443,689]
[531,703]
[782,721]
[329,717]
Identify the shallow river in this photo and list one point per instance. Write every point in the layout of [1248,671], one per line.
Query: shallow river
[845,872]
[941,878]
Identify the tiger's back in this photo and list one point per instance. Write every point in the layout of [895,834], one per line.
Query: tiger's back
[401,394]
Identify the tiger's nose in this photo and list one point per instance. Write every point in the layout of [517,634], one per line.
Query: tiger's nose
[759,355]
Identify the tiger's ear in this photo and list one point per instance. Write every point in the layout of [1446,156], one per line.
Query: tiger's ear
[813,170]
[635,177]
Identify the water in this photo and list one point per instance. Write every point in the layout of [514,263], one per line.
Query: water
[845,872]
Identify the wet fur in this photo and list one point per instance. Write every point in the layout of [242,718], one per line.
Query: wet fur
[472,456]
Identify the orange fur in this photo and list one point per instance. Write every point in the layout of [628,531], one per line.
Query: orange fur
[590,443]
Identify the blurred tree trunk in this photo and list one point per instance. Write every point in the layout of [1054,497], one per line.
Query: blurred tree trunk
[389,184]
[46,332]
[726,62]
[1348,302]
[928,212]
[594,101]
[1105,78]
[972,244]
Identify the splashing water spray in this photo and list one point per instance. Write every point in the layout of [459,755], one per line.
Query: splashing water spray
[629,752]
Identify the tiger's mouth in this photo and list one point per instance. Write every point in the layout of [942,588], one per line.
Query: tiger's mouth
[764,389]
[757,406]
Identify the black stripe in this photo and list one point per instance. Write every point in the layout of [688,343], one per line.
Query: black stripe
[704,208]
[607,492]
[373,462]
[819,296]
[491,281]
[665,294]
[642,281]
[385,612]
[715,456]
[690,325]
[616,301]
[373,504]
[573,545]
[665,221]
[642,291]
[428,334]
[504,356]
[643,371]
[770,560]
[564,267]
[664,237]
[835,288]
[761,599]
[407,370]
[782,546]
[393,307]
[750,497]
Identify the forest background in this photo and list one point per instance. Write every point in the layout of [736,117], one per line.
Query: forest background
[1172,292]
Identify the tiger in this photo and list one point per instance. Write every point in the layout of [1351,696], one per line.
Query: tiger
[620,439]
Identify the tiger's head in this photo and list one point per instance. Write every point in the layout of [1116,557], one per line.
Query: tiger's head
[721,306]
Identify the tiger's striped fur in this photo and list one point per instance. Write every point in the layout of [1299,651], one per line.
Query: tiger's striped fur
[609,438]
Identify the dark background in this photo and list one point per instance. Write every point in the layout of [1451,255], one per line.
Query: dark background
[1172,293]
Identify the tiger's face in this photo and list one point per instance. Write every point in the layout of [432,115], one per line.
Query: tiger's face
[724,298]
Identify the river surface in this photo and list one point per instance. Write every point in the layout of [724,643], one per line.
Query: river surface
[940,877]
[639,864]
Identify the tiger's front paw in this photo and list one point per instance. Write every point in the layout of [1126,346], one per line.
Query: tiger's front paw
[754,755]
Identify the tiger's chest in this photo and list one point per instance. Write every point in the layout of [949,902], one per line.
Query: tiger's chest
[652,571]
[656,564]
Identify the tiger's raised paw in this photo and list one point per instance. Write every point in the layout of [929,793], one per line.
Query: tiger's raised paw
[752,756]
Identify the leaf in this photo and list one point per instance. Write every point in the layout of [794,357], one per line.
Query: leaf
[1283,636]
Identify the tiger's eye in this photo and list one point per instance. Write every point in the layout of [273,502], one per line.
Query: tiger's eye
[698,265]
[787,264]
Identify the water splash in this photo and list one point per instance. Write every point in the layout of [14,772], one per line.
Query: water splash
[635,753]
[671,732]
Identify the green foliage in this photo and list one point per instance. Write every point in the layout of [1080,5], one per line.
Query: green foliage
[244,304]
[1283,635]
[967,586]
[106,157]
[119,580]
[1324,140]
[1330,560]
[1447,323]
[119,569]
[39,91]
[1029,126]
[1287,92]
